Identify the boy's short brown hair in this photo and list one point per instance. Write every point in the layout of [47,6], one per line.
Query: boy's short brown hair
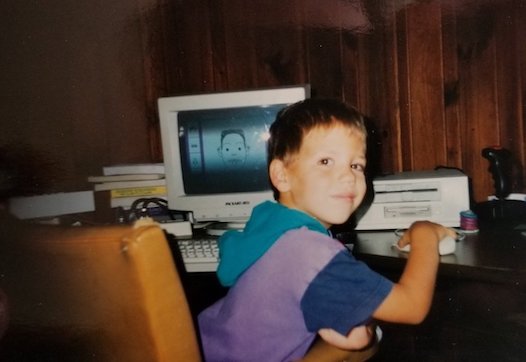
[295,121]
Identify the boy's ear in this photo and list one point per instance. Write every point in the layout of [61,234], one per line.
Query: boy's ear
[278,175]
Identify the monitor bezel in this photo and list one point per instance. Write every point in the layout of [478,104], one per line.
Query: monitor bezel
[228,207]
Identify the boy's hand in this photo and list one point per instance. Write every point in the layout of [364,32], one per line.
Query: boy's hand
[410,299]
[416,228]
[358,338]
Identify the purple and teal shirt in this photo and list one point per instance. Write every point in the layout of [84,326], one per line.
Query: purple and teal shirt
[301,281]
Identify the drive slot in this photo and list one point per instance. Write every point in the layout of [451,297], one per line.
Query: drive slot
[407,211]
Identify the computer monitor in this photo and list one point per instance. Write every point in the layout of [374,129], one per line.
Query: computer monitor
[215,150]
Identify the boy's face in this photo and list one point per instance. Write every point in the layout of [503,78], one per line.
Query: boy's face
[325,179]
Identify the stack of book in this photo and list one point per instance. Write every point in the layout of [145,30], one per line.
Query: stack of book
[129,182]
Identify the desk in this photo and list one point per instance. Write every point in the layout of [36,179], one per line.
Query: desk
[492,255]
[479,307]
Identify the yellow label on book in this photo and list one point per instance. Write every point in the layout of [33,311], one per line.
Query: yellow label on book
[139,191]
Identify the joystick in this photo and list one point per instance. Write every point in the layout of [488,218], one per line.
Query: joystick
[502,209]
[500,168]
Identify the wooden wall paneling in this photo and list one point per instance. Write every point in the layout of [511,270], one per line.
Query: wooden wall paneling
[405,147]
[280,44]
[426,102]
[152,26]
[240,19]
[480,124]
[378,95]
[362,60]
[324,62]
[172,33]
[324,53]
[392,155]
[354,58]
[454,146]
[118,91]
[351,93]
[168,36]
[218,45]
[78,120]
[72,80]
[390,92]
[325,23]
[430,73]
[508,90]
[189,63]
[358,63]
[521,52]
[506,79]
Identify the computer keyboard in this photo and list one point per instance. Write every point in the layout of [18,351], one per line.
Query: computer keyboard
[200,254]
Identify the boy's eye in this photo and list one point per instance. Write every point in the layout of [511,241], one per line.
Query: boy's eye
[358,167]
[325,161]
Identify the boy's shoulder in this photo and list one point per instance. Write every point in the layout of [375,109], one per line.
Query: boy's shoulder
[305,242]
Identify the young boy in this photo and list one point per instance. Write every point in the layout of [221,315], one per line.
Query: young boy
[290,280]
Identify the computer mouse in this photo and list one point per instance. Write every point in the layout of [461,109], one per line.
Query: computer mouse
[446,246]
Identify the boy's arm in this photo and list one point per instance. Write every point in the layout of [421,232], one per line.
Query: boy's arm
[410,299]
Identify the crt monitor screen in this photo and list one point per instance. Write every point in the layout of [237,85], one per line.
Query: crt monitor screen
[215,150]
[224,150]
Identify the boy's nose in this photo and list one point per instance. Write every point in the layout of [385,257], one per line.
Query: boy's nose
[347,175]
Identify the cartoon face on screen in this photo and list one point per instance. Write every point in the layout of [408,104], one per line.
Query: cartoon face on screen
[233,150]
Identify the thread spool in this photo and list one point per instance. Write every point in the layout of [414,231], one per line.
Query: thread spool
[469,222]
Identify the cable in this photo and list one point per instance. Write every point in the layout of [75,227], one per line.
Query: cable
[142,207]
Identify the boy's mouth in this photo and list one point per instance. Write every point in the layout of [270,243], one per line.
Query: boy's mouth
[346,197]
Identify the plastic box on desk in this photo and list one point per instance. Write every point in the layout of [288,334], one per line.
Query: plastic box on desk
[178,228]
[405,197]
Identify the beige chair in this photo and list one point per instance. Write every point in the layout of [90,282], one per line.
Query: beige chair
[101,294]
[95,294]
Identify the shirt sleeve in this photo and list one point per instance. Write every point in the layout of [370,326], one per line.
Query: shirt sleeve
[344,294]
